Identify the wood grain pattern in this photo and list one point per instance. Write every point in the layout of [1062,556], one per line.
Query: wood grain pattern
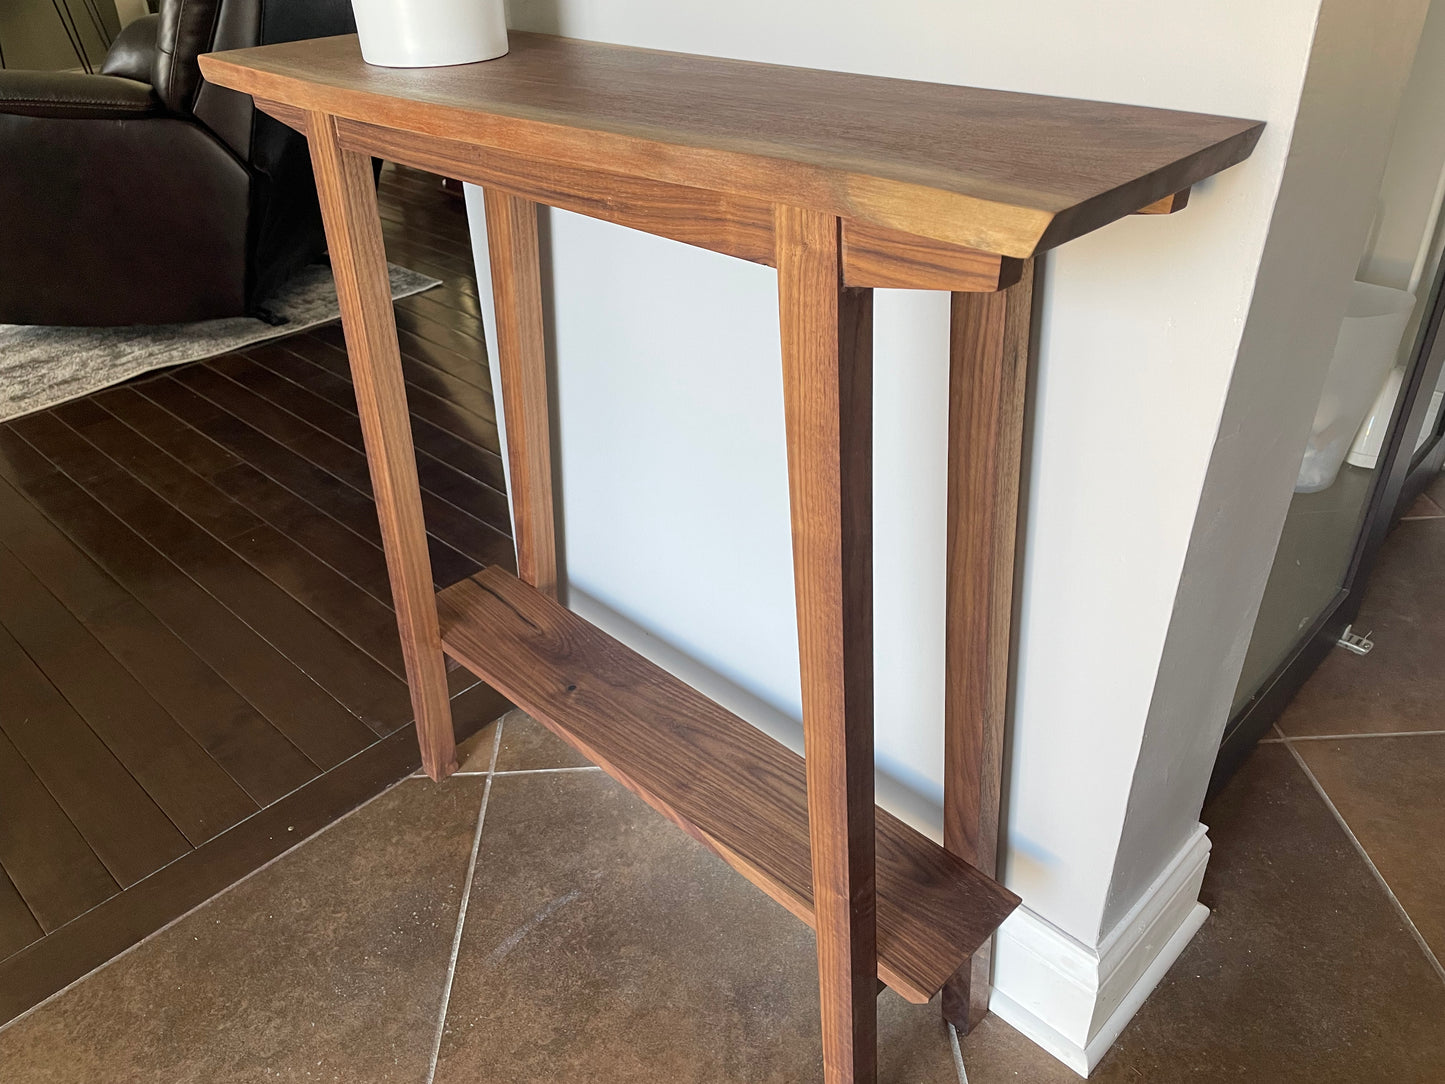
[989,170]
[873,256]
[289,115]
[734,225]
[522,364]
[1168,205]
[719,778]
[347,188]
[827,338]
[988,382]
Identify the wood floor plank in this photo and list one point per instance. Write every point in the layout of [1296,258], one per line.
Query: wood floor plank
[481,432]
[449,375]
[431,243]
[202,455]
[438,478]
[351,554]
[459,529]
[319,726]
[427,308]
[45,857]
[351,612]
[481,463]
[196,794]
[403,217]
[435,249]
[374,696]
[464,362]
[181,488]
[119,821]
[341,576]
[293,471]
[236,735]
[448,336]
[452,296]
[454,276]
[430,229]
[18,927]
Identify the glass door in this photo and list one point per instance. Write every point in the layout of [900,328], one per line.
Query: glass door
[1379,431]
[1340,514]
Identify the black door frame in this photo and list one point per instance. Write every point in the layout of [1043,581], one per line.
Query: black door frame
[1402,475]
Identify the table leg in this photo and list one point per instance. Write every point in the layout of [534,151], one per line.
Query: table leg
[347,188]
[522,361]
[827,332]
[988,378]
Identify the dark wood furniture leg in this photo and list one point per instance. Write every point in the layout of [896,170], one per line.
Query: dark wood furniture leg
[827,332]
[988,378]
[522,361]
[347,188]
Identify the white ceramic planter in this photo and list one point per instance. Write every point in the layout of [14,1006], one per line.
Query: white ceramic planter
[430,33]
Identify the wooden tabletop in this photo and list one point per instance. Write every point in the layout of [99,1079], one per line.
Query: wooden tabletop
[996,171]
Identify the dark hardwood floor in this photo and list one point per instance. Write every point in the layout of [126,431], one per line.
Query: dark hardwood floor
[198,660]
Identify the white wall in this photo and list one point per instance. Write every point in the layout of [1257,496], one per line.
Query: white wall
[1362,56]
[673,485]
[1410,190]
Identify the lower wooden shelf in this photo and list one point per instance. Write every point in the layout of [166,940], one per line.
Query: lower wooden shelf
[720,779]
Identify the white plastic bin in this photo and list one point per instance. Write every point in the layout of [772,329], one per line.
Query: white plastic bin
[1370,439]
[430,33]
[1366,349]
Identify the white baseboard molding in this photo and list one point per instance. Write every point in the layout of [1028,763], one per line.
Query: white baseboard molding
[1073,999]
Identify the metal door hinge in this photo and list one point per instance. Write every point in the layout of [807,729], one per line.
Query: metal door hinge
[1351,640]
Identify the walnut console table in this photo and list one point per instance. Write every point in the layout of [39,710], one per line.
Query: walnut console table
[843,183]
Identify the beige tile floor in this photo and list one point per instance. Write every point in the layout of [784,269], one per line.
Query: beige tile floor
[529,920]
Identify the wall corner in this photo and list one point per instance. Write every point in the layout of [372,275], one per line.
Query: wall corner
[1074,999]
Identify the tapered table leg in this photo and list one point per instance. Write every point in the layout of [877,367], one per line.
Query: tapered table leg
[989,358]
[522,363]
[827,332]
[347,188]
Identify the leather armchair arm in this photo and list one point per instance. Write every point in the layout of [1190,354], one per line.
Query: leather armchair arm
[74,94]
[133,53]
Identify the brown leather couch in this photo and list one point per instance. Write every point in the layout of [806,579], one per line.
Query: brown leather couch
[145,195]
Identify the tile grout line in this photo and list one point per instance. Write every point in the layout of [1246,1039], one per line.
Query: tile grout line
[1370,862]
[226,890]
[957,1054]
[436,1048]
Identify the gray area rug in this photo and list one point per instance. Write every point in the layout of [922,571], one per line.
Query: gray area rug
[43,366]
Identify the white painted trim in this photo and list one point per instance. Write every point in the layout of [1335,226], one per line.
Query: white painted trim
[1073,999]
